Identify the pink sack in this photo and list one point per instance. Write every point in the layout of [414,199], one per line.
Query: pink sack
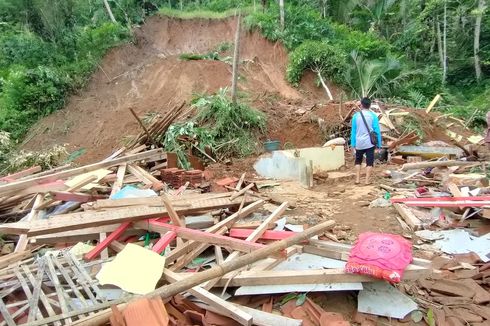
[381,255]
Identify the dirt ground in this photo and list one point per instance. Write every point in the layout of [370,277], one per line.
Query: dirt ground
[149,77]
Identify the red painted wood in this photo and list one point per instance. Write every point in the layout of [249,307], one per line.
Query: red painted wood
[268,235]
[445,201]
[438,199]
[188,232]
[105,243]
[164,241]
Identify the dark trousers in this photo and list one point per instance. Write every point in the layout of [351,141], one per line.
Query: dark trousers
[369,156]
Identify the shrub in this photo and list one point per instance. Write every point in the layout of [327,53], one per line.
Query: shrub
[226,129]
[317,56]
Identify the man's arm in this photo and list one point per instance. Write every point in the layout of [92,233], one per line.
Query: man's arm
[377,129]
[353,131]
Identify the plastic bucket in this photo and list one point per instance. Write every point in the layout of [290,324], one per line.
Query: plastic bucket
[272,145]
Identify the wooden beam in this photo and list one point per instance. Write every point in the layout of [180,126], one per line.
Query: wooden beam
[174,217]
[434,164]
[309,276]
[75,187]
[13,258]
[241,192]
[88,219]
[74,196]
[409,217]
[268,234]
[433,103]
[21,174]
[226,308]
[341,251]
[196,248]
[19,185]
[105,243]
[164,241]
[81,235]
[253,237]
[196,235]
[33,215]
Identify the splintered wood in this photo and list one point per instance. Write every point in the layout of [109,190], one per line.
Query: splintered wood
[122,200]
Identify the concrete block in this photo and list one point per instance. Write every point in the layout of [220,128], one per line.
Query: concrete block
[292,164]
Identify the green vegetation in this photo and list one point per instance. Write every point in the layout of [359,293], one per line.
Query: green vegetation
[48,49]
[12,160]
[194,13]
[217,54]
[219,128]
[403,51]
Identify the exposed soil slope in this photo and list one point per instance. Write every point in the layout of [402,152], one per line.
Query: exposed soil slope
[149,77]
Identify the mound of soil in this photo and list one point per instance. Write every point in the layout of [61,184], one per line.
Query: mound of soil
[148,76]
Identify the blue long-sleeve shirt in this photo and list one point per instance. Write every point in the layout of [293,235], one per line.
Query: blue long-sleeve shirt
[359,137]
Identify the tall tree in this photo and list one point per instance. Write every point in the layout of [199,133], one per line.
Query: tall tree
[476,41]
[281,10]
[236,56]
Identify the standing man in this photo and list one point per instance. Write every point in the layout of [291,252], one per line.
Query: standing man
[365,138]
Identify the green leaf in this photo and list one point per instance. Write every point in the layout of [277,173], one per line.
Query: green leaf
[301,299]
[430,317]
[287,298]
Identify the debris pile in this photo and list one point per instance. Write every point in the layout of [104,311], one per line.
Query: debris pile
[90,241]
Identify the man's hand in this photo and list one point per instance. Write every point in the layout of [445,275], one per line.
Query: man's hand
[353,150]
[378,150]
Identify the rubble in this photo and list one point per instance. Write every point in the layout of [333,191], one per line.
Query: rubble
[229,250]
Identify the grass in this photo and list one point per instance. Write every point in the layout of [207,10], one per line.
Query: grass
[202,14]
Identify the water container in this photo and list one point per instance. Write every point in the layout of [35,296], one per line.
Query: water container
[272,145]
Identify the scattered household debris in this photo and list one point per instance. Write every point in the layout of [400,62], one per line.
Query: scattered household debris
[163,239]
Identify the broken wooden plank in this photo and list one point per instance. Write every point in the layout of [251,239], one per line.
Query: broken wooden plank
[23,240]
[241,192]
[13,258]
[226,223]
[478,201]
[81,235]
[253,237]
[164,241]
[21,174]
[88,219]
[196,235]
[105,243]
[433,164]
[309,277]
[408,216]
[226,308]
[268,235]
[19,185]
[433,103]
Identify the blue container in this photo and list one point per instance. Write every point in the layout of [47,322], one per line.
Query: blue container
[272,145]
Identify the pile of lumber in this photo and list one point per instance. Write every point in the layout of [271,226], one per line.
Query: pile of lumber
[226,240]
[157,127]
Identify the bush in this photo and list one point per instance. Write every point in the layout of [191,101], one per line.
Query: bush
[30,93]
[368,44]
[25,49]
[316,56]
[227,130]
[302,23]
